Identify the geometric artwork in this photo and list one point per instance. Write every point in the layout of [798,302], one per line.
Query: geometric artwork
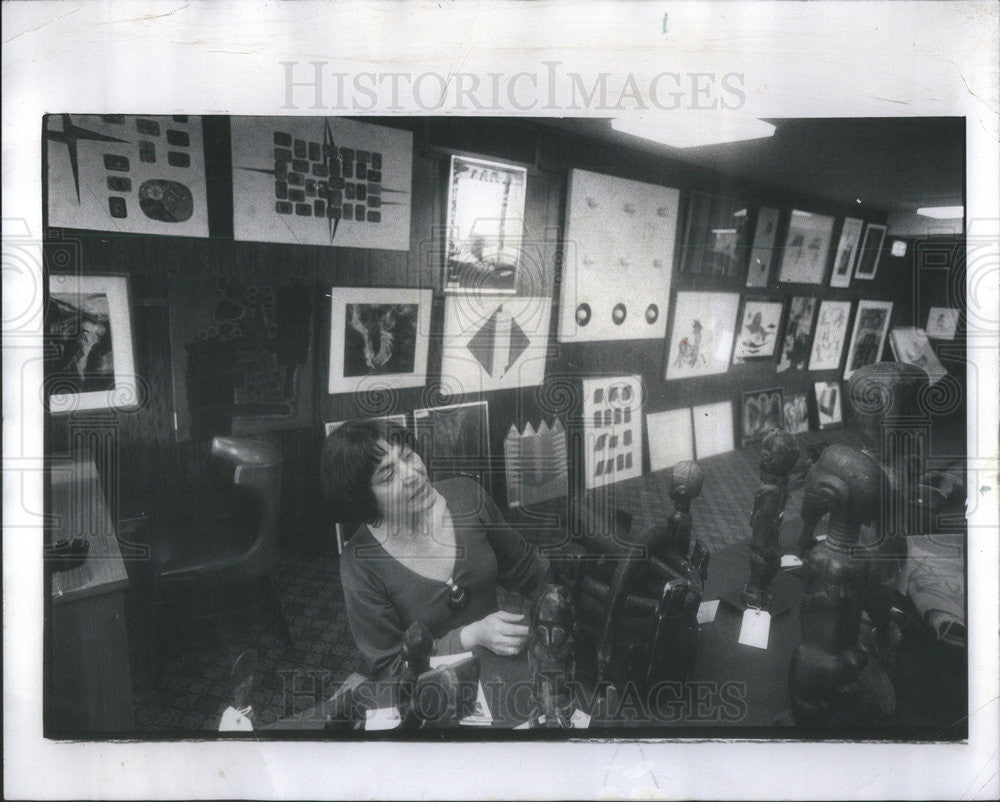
[713,429]
[612,429]
[942,323]
[847,252]
[493,343]
[757,333]
[910,345]
[761,410]
[485,220]
[536,464]
[671,438]
[831,328]
[796,414]
[828,410]
[88,344]
[759,271]
[702,337]
[715,235]
[871,250]
[618,259]
[795,347]
[118,172]
[321,181]
[871,324]
[454,440]
[806,247]
[378,338]
[395,420]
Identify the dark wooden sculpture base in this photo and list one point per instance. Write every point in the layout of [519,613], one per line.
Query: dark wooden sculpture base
[785,591]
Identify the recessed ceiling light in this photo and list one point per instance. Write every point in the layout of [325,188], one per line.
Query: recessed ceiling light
[693,129]
[942,212]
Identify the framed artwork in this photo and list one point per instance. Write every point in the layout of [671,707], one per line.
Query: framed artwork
[831,329]
[713,429]
[807,244]
[321,181]
[715,235]
[485,222]
[702,337]
[89,358]
[127,173]
[794,350]
[829,414]
[871,250]
[757,333]
[796,415]
[397,420]
[671,438]
[871,324]
[536,462]
[617,259]
[942,323]
[847,252]
[378,338]
[759,269]
[454,440]
[612,429]
[761,410]
[493,343]
[912,346]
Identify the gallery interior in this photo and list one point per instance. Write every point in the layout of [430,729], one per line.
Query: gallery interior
[706,402]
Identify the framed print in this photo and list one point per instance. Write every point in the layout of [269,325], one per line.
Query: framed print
[378,338]
[912,346]
[715,235]
[761,410]
[702,337]
[484,227]
[829,414]
[757,334]
[671,438]
[713,429]
[759,269]
[454,440]
[847,252]
[89,357]
[942,323]
[871,251]
[831,329]
[796,415]
[612,429]
[807,244]
[795,343]
[536,463]
[871,324]
[396,420]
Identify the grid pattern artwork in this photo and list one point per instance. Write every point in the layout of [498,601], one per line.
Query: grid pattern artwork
[612,426]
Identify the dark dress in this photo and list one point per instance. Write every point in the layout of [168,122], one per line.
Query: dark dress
[384,596]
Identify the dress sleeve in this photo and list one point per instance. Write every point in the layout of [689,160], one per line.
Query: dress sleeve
[519,568]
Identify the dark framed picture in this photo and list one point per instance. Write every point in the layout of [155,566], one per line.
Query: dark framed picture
[715,237]
[829,411]
[761,410]
[794,352]
[796,413]
[757,333]
[871,250]
[759,268]
[454,440]
[807,244]
[871,324]
[847,252]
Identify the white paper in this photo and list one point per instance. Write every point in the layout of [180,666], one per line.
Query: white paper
[755,629]
[707,611]
[790,561]
[382,718]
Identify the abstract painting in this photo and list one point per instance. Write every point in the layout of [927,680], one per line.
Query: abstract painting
[671,438]
[536,463]
[796,413]
[617,259]
[454,440]
[485,221]
[871,324]
[612,429]
[378,338]
[715,235]
[761,410]
[759,269]
[828,404]
[911,345]
[942,323]
[713,429]
[871,251]
[795,344]
[847,252]
[395,420]
[831,328]
[806,247]
[757,333]
[321,181]
[702,337]
[127,173]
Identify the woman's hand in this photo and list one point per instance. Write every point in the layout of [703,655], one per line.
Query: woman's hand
[499,632]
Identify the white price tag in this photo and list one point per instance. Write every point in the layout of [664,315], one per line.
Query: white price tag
[756,628]
[790,561]
[707,611]
[383,718]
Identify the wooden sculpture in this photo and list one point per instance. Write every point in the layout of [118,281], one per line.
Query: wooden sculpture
[551,658]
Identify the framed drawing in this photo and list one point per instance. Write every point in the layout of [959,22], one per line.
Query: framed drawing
[831,328]
[536,463]
[702,337]
[713,429]
[612,429]
[829,414]
[89,358]
[911,345]
[795,343]
[485,221]
[942,323]
[807,244]
[378,338]
[671,438]
[871,250]
[847,252]
[761,410]
[757,333]
[871,324]
[454,440]
[759,269]
[397,420]
[715,235]
[796,413]
[617,260]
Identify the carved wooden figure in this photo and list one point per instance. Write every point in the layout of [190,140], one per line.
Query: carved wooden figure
[551,657]
[415,654]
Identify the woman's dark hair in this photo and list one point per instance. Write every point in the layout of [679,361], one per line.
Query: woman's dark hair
[351,454]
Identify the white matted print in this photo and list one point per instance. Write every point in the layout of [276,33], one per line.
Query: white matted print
[796,415]
[795,343]
[378,338]
[321,181]
[395,420]
[942,323]
[702,336]
[759,269]
[871,324]
[618,259]
[847,252]
[806,248]
[757,333]
[612,429]
[871,251]
[911,345]
[713,429]
[671,438]
[493,343]
[829,413]
[831,329]
[127,173]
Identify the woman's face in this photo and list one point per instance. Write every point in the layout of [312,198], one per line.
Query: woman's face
[400,483]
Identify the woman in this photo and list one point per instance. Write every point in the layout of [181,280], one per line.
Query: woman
[430,553]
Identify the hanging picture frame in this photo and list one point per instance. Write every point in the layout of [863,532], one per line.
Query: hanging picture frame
[796,415]
[807,246]
[715,235]
[702,338]
[759,267]
[871,251]
[671,438]
[612,429]
[398,419]
[757,333]
[871,324]
[794,351]
[713,429]
[942,323]
[454,440]
[831,329]
[911,345]
[761,410]
[829,410]
[847,252]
